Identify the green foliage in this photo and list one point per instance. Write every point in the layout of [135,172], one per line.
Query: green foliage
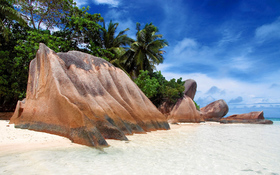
[7,15]
[47,13]
[84,29]
[114,43]
[148,85]
[158,89]
[197,106]
[173,90]
[10,88]
[146,51]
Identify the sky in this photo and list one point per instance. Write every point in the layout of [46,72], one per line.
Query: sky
[231,48]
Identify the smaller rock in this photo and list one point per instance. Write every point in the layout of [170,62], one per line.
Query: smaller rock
[252,117]
[190,88]
[185,112]
[214,111]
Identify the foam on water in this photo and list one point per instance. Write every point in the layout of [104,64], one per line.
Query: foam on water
[208,148]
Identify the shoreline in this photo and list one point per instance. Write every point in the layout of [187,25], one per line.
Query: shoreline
[14,140]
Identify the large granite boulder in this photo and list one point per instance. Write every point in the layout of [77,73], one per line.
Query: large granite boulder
[214,111]
[185,111]
[84,98]
[252,117]
[190,88]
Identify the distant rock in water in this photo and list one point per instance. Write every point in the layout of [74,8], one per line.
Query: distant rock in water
[214,111]
[252,117]
[190,88]
[84,98]
[185,111]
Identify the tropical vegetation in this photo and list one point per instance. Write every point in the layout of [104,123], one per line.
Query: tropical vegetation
[158,89]
[63,26]
[146,51]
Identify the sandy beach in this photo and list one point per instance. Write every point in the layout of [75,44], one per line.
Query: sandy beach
[197,148]
[13,140]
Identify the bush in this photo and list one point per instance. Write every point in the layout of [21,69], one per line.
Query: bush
[158,89]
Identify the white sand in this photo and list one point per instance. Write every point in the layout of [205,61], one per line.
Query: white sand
[206,148]
[14,140]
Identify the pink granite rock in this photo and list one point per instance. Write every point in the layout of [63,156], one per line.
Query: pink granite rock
[252,117]
[85,99]
[185,111]
[214,111]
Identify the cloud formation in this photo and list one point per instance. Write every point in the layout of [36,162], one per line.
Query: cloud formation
[269,31]
[238,99]
[121,17]
[215,90]
[112,3]
[81,3]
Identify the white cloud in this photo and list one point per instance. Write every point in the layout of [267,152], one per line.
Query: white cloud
[185,44]
[212,59]
[113,3]
[229,36]
[81,3]
[238,99]
[268,31]
[241,63]
[190,51]
[120,17]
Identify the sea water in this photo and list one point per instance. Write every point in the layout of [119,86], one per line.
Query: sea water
[206,148]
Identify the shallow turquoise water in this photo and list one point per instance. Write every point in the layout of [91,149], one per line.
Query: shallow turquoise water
[208,148]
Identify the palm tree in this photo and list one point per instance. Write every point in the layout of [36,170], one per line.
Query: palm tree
[145,52]
[8,13]
[115,46]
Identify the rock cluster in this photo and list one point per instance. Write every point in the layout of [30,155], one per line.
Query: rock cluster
[84,98]
[185,110]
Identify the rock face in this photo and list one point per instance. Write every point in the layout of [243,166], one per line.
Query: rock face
[190,88]
[252,117]
[214,111]
[185,111]
[84,98]
[166,108]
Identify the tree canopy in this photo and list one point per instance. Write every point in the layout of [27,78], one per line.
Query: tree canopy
[63,26]
[146,51]
[44,14]
[7,15]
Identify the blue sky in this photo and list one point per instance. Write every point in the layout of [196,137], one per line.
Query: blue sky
[230,47]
